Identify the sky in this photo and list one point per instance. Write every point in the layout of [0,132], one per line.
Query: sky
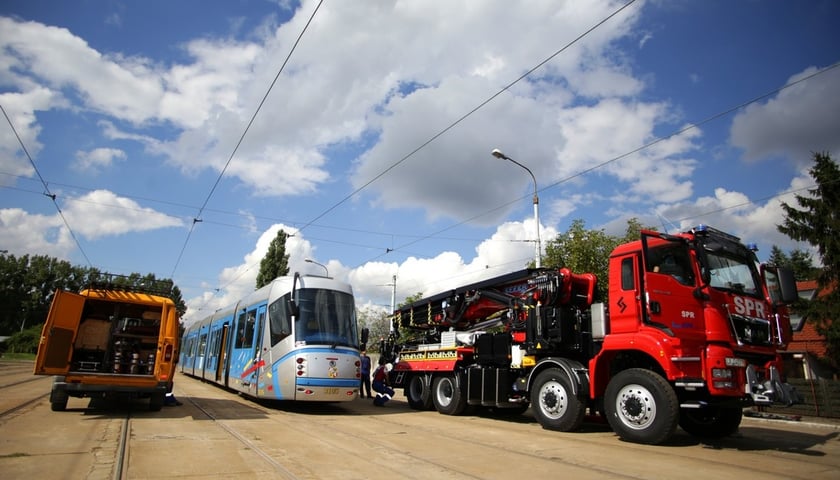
[177,138]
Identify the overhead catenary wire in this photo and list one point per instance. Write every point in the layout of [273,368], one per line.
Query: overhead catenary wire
[645,146]
[203,209]
[465,116]
[47,191]
[197,218]
[552,185]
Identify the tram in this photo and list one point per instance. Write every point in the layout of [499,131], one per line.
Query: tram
[293,339]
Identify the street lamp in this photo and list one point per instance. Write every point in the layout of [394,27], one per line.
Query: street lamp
[327,272]
[538,249]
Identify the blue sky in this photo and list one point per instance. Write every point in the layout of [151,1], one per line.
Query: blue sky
[373,144]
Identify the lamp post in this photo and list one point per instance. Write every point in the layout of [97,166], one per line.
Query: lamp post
[538,248]
[326,272]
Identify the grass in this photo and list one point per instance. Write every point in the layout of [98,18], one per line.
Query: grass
[18,356]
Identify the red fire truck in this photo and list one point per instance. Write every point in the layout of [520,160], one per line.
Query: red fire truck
[688,336]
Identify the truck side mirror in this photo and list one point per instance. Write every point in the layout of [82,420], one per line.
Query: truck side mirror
[787,285]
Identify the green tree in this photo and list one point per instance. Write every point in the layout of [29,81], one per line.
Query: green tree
[276,261]
[581,250]
[800,261]
[411,299]
[376,320]
[28,284]
[817,222]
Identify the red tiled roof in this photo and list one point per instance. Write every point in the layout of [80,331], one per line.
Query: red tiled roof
[808,339]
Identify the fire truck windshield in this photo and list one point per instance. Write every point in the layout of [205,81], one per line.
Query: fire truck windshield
[733,273]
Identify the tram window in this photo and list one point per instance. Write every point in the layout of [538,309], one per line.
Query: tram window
[250,324]
[280,319]
[240,332]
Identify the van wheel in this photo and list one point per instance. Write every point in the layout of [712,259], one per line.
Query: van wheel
[156,401]
[641,406]
[58,400]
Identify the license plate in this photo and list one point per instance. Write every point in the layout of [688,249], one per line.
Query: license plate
[331,391]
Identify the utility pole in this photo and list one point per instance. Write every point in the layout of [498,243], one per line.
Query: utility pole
[393,302]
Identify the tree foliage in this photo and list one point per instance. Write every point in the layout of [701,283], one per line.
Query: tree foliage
[800,261]
[581,250]
[376,320]
[817,221]
[28,284]
[275,263]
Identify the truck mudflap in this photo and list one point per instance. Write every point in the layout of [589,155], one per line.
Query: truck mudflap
[771,390]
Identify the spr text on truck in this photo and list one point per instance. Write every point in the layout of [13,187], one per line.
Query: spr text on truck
[689,335]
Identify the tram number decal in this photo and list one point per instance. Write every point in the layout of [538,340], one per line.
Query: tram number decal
[331,391]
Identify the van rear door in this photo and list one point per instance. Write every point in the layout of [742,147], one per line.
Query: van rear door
[56,347]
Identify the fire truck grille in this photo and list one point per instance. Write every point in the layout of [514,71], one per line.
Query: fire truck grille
[751,330]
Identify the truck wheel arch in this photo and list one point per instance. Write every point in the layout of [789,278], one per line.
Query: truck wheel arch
[576,372]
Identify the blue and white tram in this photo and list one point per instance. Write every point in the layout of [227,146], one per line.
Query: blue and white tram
[293,339]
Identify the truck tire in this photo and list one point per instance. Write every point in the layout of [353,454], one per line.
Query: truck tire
[641,406]
[553,402]
[418,393]
[447,395]
[711,422]
[58,400]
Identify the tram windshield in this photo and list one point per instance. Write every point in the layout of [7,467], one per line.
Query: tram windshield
[326,317]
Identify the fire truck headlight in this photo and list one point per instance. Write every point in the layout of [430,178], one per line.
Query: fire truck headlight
[722,378]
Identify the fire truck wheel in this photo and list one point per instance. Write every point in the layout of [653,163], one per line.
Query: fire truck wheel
[711,422]
[641,406]
[419,394]
[447,395]
[553,402]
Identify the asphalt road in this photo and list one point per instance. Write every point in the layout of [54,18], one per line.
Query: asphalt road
[218,434]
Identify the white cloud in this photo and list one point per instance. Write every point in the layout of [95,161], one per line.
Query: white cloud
[736,213]
[796,122]
[98,159]
[21,108]
[508,249]
[103,213]
[23,232]
[94,215]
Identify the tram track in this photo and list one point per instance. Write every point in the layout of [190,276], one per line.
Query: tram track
[520,445]
[121,460]
[26,403]
[278,467]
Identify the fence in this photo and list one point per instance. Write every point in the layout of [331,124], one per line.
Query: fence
[821,399]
